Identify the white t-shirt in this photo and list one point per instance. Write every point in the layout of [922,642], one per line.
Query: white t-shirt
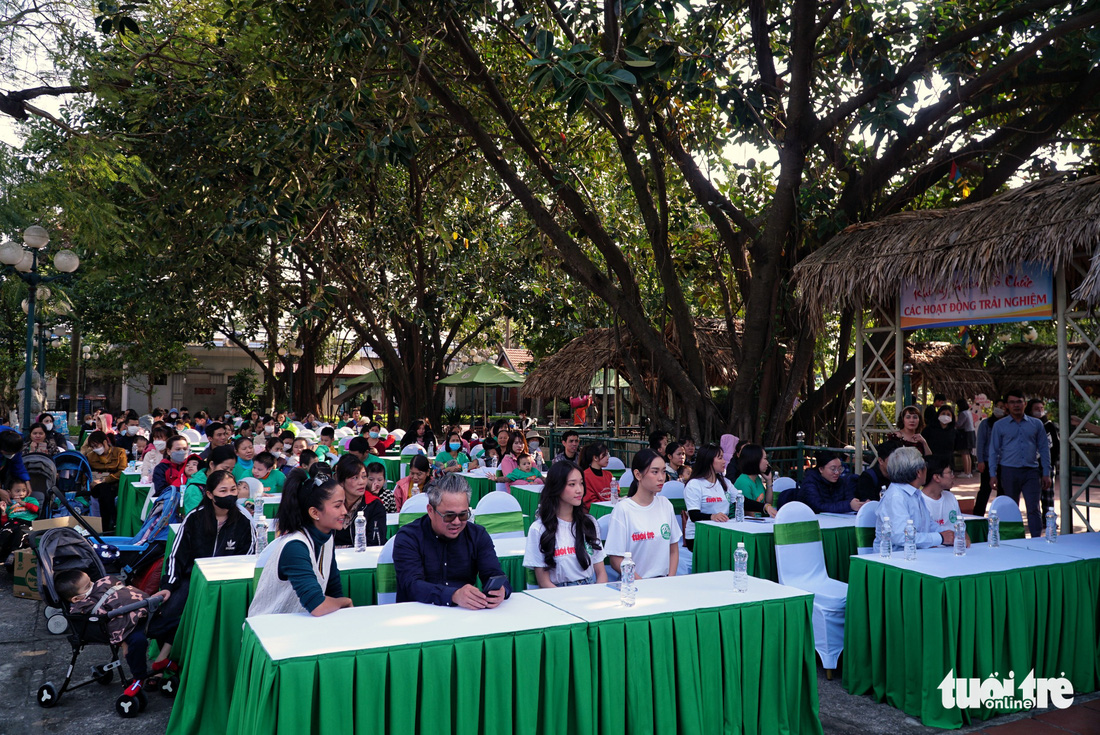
[567,569]
[646,532]
[944,511]
[705,497]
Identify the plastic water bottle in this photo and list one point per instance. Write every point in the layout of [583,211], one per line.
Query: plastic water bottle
[960,537]
[910,541]
[360,532]
[741,568]
[465,467]
[614,490]
[994,530]
[1051,533]
[628,590]
[258,508]
[261,534]
[885,539]
[738,507]
[414,489]
[882,493]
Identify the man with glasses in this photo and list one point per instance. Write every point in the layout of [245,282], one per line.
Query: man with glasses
[1019,453]
[439,557]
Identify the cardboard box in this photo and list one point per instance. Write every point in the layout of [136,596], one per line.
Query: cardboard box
[68,522]
[25,575]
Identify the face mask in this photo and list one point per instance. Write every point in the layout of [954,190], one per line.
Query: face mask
[374,435]
[48,425]
[179,455]
[269,429]
[286,446]
[131,430]
[998,412]
[227,417]
[1038,414]
[291,461]
[455,446]
[945,420]
[158,444]
[173,417]
[100,450]
[225,502]
[533,445]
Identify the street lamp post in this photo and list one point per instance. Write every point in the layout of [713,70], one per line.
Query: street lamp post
[25,262]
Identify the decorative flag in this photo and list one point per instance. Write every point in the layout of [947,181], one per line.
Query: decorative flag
[956,174]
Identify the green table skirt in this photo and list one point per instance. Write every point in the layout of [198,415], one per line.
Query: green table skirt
[906,631]
[479,488]
[392,465]
[208,645]
[714,549]
[978,530]
[130,501]
[468,686]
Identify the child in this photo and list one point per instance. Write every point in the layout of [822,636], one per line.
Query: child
[194,473]
[137,450]
[87,598]
[525,473]
[15,519]
[262,466]
[376,484]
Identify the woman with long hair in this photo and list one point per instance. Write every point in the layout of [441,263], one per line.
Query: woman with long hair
[414,483]
[563,543]
[597,480]
[644,524]
[351,473]
[300,574]
[910,424]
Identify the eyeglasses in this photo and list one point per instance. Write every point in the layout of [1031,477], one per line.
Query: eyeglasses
[833,468]
[452,517]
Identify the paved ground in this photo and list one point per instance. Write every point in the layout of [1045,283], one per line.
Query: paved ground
[30,655]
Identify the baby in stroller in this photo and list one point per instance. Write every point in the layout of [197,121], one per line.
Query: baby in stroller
[15,519]
[131,630]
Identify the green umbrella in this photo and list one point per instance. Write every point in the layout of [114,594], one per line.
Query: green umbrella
[374,377]
[484,374]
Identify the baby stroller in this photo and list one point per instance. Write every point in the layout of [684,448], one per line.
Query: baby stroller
[63,549]
[43,474]
[73,481]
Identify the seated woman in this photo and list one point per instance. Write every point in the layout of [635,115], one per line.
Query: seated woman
[107,462]
[828,487]
[514,446]
[644,523]
[40,441]
[221,458]
[373,432]
[677,469]
[301,573]
[217,527]
[597,480]
[752,481]
[245,451]
[170,470]
[563,543]
[154,453]
[352,476]
[415,482]
[47,421]
[451,458]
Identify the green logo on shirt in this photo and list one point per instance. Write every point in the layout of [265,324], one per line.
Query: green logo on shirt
[666,532]
[952,517]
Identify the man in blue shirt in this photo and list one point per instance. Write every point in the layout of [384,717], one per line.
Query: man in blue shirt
[439,557]
[903,502]
[1019,459]
[12,472]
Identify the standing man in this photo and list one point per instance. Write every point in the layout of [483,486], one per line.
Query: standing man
[985,430]
[367,409]
[1019,459]
[571,443]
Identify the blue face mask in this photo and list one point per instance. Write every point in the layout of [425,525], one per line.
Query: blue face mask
[455,446]
[374,435]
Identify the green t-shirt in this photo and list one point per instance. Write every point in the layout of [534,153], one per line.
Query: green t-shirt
[444,458]
[240,472]
[751,486]
[273,483]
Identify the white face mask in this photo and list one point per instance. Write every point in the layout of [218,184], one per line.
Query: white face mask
[100,450]
[998,412]
[131,430]
[48,425]
[269,429]
[286,446]
[159,444]
[945,420]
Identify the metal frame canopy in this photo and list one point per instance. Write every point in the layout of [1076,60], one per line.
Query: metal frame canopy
[1053,224]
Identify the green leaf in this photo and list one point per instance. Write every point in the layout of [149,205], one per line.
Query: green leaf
[624,76]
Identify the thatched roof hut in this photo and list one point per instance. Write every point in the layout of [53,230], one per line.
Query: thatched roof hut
[569,371]
[946,368]
[1034,368]
[1048,222]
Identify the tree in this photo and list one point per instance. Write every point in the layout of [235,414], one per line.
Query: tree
[244,391]
[863,108]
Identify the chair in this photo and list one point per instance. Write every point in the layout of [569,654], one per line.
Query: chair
[604,522]
[673,490]
[192,436]
[1010,519]
[413,448]
[783,483]
[308,434]
[343,432]
[867,528]
[800,560]
[413,508]
[477,451]
[386,575]
[398,434]
[614,463]
[499,513]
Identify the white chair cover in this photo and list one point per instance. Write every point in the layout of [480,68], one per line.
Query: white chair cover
[342,432]
[783,483]
[614,463]
[477,451]
[309,434]
[1007,509]
[413,448]
[604,522]
[866,543]
[800,560]
[500,514]
[413,508]
[674,489]
[192,436]
[386,575]
[398,434]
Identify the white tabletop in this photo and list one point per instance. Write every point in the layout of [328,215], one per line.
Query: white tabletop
[374,627]
[514,546]
[598,602]
[536,489]
[142,484]
[480,474]
[1076,545]
[940,561]
[227,568]
[349,559]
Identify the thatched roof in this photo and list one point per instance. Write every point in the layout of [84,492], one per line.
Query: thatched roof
[1048,222]
[949,370]
[1034,368]
[569,371]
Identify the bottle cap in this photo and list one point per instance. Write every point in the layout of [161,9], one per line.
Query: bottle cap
[740,544]
[626,555]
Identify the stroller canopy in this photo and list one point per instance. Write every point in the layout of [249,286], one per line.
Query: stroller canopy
[59,550]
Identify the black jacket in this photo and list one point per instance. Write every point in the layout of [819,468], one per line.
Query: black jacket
[375,514]
[194,542]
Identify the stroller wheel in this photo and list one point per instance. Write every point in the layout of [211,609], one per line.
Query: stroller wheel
[47,695]
[168,687]
[57,624]
[102,676]
[49,612]
[127,706]
[142,701]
